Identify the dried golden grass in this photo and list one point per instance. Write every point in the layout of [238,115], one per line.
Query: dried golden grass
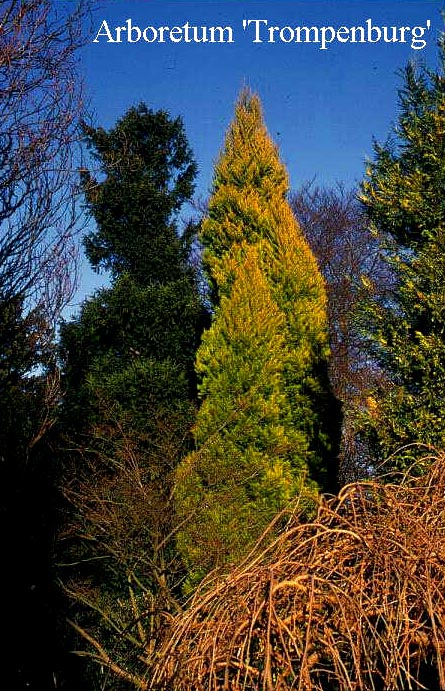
[353,601]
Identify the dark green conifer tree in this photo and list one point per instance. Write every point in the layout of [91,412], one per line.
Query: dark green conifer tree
[128,364]
[404,197]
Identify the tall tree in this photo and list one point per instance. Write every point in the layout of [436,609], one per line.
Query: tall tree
[349,255]
[403,195]
[266,430]
[41,103]
[130,382]
[40,107]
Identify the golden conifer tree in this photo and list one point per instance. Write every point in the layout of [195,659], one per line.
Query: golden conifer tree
[262,436]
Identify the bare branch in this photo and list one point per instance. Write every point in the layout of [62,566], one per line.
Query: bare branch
[40,108]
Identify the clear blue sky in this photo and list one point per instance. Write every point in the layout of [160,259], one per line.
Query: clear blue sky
[322,107]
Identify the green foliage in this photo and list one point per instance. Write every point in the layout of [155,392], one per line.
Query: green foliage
[149,173]
[128,373]
[132,326]
[26,354]
[261,434]
[153,311]
[403,194]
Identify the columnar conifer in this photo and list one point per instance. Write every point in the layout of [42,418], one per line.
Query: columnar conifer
[403,194]
[262,435]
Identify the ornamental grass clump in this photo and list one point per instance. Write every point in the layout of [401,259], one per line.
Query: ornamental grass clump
[353,600]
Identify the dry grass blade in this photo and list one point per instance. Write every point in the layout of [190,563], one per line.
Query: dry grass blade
[353,601]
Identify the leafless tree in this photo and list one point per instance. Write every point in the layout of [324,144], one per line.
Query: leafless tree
[121,529]
[350,259]
[40,106]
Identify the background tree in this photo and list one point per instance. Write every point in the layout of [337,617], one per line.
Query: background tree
[130,386]
[40,106]
[41,102]
[350,259]
[266,427]
[403,195]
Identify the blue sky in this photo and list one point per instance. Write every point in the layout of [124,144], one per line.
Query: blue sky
[322,107]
